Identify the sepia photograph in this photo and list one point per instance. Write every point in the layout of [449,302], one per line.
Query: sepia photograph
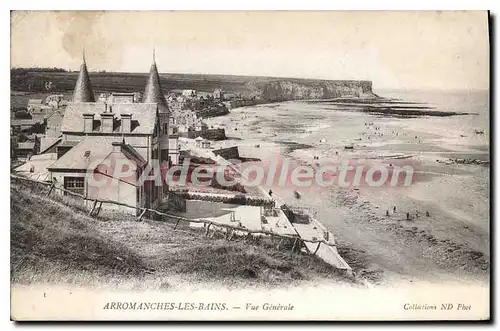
[250,165]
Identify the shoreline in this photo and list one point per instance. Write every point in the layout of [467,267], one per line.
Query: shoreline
[360,225]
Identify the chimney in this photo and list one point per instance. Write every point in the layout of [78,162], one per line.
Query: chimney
[88,122]
[117,146]
[126,123]
[107,122]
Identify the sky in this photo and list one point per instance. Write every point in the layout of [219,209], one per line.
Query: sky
[417,50]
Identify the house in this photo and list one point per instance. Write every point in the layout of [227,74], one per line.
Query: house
[28,126]
[55,101]
[89,169]
[143,128]
[205,144]
[198,141]
[34,104]
[36,167]
[189,93]
[173,141]
[24,150]
[218,94]
[230,96]
[145,124]
[116,97]
[200,126]
[202,143]
[54,122]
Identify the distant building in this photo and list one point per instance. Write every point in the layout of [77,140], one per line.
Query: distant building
[189,93]
[173,141]
[218,94]
[205,144]
[34,104]
[55,101]
[53,123]
[230,96]
[28,126]
[25,150]
[198,141]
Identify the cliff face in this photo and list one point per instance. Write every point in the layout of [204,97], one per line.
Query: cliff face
[283,90]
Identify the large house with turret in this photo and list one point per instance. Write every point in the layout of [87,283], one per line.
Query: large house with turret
[120,126]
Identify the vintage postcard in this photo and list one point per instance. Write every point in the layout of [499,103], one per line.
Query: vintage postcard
[250,165]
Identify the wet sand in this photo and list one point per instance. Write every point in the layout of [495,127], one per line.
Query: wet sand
[451,244]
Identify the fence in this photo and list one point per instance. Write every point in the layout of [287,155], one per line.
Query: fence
[230,229]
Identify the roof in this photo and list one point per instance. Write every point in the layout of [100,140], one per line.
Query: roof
[83,88]
[26,145]
[68,143]
[36,167]
[14,122]
[94,149]
[132,154]
[58,112]
[153,92]
[48,142]
[121,94]
[143,116]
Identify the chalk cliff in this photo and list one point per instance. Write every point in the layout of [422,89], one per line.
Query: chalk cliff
[295,89]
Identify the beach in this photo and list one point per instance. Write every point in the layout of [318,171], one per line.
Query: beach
[445,237]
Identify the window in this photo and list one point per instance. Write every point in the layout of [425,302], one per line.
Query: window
[74,184]
[154,154]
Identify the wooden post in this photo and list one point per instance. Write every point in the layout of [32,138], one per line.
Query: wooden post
[231,235]
[93,207]
[50,189]
[175,227]
[98,209]
[142,214]
[208,228]
[279,244]
[317,248]
[294,243]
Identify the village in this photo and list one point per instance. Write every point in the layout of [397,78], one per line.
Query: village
[61,141]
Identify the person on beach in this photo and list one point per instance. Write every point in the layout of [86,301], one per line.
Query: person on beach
[386,213]
[427,214]
[407,216]
[270,193]
[394,209]
[416,212]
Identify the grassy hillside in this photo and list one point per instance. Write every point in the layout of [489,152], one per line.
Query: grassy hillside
[132,82]
[54,243]
[35,81]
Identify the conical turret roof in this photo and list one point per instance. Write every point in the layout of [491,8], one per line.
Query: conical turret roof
[153,92]
[83,88]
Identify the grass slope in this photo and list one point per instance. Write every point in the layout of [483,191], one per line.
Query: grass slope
[56,244]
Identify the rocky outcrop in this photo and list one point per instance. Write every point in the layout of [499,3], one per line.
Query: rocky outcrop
[210,134]
[465,161]
[212,111]
[290,89]
[228,153]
